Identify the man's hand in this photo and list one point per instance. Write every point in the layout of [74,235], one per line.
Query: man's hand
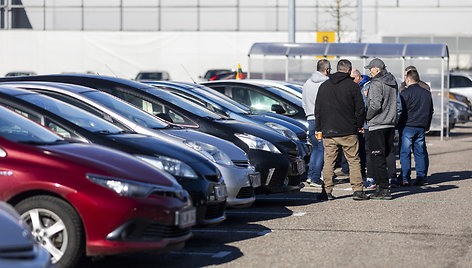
[361,130]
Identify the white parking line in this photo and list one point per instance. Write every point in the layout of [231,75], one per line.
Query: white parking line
[260,212]
[299,214]
[220,254]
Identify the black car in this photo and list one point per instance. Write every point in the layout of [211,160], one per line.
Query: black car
[222,104]
[261,98]
[273,155]
[192,170]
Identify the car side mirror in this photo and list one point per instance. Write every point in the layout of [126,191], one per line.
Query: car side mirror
[3,153]
[277,109]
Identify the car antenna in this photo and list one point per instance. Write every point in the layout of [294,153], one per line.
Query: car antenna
[185,69]
[111,70]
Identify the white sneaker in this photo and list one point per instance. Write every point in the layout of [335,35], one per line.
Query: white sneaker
[317,183]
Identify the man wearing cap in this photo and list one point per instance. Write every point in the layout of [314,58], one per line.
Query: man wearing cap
[381,118]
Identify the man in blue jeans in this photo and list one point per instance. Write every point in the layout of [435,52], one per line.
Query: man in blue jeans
[310,90]
[417,112]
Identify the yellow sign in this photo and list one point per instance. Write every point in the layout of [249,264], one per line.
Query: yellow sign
[325,37]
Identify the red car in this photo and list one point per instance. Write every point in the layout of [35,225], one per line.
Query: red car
[86,199]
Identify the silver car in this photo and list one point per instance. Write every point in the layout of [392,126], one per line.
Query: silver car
[17,245]
[239,175]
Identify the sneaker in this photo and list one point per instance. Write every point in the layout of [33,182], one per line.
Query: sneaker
[322,196]
[330,196]
[360,195]
[383,194]
[369,184]
[405,183]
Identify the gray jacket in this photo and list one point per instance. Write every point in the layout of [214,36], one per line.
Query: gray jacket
[309,92]
[382,101]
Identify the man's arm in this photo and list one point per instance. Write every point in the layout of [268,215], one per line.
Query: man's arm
[318,113]
[374,102]
[359,107]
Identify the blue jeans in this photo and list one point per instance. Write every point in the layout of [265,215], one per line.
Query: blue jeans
[317,155]
[413,138]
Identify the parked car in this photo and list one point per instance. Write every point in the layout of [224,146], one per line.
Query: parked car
[261,98]
[214,72]
[232,162]
[191,169]
[17,246]
[153,75]
[287,86]
[223,105]
[273,155]
[461,112]
[79,198]
[20,73]
[461,83]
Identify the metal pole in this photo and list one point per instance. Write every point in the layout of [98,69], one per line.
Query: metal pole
[442,101]
[359,18]
[291,21]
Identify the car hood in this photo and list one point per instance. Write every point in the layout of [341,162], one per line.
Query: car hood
[289,119]
[233,151]
[109,161]
[286,123]
[259,131]
[151,146]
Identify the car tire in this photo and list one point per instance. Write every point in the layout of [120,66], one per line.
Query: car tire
[66,245]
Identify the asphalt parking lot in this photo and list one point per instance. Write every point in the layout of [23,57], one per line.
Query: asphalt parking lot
[429,226]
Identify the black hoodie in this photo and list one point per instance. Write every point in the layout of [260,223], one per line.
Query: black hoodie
[339,108]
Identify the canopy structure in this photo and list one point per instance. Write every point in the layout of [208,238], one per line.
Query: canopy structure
[296,62]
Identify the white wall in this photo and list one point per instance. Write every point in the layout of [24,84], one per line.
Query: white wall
[124,54]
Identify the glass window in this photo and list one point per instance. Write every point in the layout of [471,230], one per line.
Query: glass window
[253,99]
[75,115]
[16,128]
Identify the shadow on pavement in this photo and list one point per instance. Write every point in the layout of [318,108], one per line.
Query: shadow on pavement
[196,257]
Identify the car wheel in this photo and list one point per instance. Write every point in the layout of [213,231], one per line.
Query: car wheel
[56,226]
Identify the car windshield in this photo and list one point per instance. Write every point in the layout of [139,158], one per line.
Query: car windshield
[71,113]
[184,104]
[129,111]
[284,95]
[17,128]
[221,99]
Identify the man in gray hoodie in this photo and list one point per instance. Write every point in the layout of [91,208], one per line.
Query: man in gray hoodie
[381,118]
[310,90]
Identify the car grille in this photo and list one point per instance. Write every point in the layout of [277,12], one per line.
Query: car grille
[246,192]
[215,210]
[241,163]
[155,230]
[18,253]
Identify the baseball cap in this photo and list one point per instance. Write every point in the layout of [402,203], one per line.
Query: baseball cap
[376,63]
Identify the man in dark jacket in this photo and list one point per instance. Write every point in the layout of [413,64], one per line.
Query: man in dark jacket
[381,118]
[420,83]
[339,113]
[415,120]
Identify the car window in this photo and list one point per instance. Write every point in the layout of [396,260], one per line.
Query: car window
[73,114]
[16,128]
[254,99]
[460,81]
[220,89]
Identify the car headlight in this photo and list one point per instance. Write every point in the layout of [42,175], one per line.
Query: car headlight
[170,165]
[133,188]
[210,152]
[257,143]
[282,130]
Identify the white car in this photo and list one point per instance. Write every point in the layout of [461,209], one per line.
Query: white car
[461,83]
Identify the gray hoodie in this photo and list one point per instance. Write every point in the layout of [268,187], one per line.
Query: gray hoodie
[309,92]
[382,101]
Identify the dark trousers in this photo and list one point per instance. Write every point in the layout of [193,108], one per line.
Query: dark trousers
[381,146]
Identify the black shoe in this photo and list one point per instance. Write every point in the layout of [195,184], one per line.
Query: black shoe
[360,195]
[330,196]
[419,182]
[381,193]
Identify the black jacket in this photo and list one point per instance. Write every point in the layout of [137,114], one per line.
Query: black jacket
[339,108]
[417,107]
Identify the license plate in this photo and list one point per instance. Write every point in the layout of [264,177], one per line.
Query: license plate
[255,179]
[220,192]
[186,218]
[301,166]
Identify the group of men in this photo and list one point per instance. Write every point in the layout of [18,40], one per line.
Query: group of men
[357,114]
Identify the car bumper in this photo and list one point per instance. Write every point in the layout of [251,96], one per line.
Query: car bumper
[239,185]
[274,169]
